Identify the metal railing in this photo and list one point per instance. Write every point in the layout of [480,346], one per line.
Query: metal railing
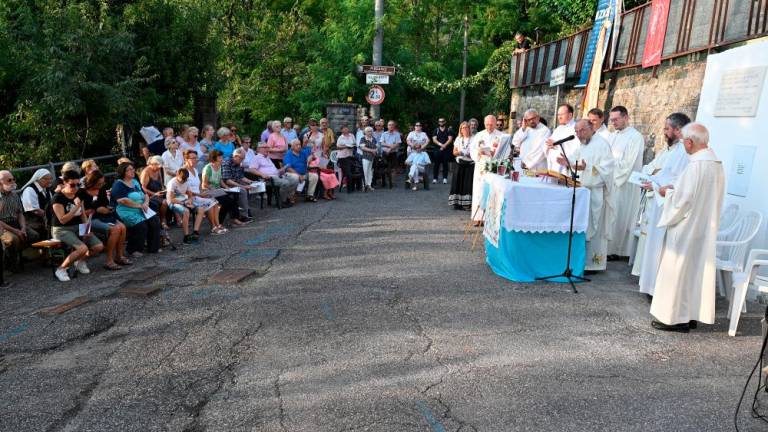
[692,26]
[51,166]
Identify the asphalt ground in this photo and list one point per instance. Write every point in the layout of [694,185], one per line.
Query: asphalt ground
[364,314]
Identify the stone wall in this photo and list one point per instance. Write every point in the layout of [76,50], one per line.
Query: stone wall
[649,97]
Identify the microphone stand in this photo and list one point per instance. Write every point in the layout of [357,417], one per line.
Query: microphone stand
[568,273]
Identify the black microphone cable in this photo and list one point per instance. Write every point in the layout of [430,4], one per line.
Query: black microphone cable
[755,403]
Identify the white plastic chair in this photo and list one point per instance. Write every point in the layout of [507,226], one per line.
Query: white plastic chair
[732,248]
[728,219]
[741,281]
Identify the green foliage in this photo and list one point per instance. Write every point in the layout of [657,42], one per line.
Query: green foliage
[70,71]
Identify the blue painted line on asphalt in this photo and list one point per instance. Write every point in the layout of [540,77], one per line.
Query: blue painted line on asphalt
[269,233]
[15,331]
[259,239]
[427,413]
[328,312]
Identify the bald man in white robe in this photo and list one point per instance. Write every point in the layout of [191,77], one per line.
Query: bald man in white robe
[685,285]
[530,140]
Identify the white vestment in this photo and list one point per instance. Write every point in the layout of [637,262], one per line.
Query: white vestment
[627,146]
[605,133]
[597,176]
[571,148]
[532,145]
[685,284]
[487,141]
[672,166]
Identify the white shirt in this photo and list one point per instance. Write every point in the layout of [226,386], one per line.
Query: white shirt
[172,163]
[571,147]
[193,182]
[462,144]
[418,158]
[604,133]
[176,190]
[533,146]
[485,140]
[417,138]
[249,155]
[29,198]
[390,141]
[346,145]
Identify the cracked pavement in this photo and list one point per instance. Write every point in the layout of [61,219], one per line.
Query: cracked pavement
[364,314]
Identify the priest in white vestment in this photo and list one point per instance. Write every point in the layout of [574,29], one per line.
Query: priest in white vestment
[564,129]
[483,148]
[596,168]
[530,140]
[596,116]
[627,145]
[685,285]
[667,168]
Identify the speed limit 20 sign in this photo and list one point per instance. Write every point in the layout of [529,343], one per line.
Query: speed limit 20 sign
[375,95]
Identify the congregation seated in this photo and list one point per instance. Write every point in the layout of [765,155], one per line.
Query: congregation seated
[211,180]
[182,203]
[14,232]
[36,198]
[233,176]
[68,214]
[263,167]
[104,220]
[200,199]
[132,206]
[152,181]
[296,162]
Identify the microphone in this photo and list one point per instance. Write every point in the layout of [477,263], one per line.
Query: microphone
[561,141]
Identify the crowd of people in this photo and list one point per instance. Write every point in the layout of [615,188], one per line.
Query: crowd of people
[189,179]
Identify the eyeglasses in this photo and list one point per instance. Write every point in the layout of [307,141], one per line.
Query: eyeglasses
[418,125]
[441,121]
[10,180]
[74,184]
[191,157]
[529,119]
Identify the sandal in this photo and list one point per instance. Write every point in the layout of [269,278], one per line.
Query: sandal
[111,266]
[124,261]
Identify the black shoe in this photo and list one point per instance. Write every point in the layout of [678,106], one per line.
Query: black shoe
[245,220]
[692,324]
[613,257]
[287,204]
[590,272]
[187,240]
[680,328]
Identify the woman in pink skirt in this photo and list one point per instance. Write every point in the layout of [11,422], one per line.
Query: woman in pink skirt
[327,176]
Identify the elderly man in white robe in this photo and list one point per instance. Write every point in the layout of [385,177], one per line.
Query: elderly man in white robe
[664,169]
[596,167]
[563,130]
[485,145]
[627,145]
[685,285]
[530,140]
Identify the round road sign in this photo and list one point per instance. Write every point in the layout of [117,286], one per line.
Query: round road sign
[375,95]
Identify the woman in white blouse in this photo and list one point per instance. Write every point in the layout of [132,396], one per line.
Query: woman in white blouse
[461,185]
[173,159]
[416,136]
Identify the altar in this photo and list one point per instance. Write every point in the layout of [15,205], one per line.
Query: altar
[526,226]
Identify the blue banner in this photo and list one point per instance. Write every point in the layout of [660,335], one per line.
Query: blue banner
[605,11]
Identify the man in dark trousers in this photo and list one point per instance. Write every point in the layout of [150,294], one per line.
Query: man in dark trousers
[442,149]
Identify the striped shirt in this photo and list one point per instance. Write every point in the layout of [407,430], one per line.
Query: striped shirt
[10,208]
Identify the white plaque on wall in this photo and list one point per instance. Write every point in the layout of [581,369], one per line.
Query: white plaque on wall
[741,170]
[739,94]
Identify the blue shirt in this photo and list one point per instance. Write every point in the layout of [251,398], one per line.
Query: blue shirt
[289,135]
[225,149]
[297,163]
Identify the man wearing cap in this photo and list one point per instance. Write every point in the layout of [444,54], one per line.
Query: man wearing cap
[263,167]
[288,131]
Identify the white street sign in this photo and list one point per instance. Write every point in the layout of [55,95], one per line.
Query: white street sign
[376,79]
[557,76]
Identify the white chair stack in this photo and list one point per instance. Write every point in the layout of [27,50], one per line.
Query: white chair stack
[741,281]
[732,246]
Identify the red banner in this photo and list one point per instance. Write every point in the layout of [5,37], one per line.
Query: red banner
[657,29]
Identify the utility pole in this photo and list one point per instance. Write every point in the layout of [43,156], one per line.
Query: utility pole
[464,68]
[378,43]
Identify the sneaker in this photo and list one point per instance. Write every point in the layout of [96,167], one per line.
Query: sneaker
[434,181]
[414,188]
[62,274]
[137,254]
[445,180]
[81,267]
